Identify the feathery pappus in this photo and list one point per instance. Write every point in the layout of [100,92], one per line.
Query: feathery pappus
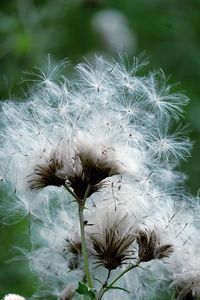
[92,161]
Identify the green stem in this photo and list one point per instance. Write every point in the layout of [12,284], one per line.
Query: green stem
[121,274]
[81,205]
[104,285]
[84,248]
[70,192]
[107,287]
[86,194]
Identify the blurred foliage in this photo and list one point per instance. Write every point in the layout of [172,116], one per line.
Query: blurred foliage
[168,31]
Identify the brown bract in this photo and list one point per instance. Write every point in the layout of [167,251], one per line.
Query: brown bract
[77,181]
[111,247]
[82,169]
[89,168]
[149,246]
[186,296]
[74,247]
[187,285]
[100,166]
[45,174]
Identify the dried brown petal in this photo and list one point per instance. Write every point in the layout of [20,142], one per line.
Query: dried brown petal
[75,248]
[149,246]
[187,285]
[98,168]
[45,174]
[90,168]
[111,247]
[74,262]
[79,168]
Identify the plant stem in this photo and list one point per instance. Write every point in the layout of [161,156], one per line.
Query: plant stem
[70,192]
[84,248]
[121,274]
[86,194]
[81,205]
[107,287]
[104,285]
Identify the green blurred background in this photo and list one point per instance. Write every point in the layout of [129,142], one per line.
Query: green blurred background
[167,30]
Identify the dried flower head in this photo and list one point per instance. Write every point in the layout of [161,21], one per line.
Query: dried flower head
[187,285]
[77,181]
[46,174]
[149,246]
[83,167]
[111,246]
[98,166]
[74,247]
[110,120]
[90,164]
[13,297]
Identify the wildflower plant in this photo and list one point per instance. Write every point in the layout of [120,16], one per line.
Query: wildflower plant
[93,163]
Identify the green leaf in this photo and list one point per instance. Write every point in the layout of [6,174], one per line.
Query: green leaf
[84,289]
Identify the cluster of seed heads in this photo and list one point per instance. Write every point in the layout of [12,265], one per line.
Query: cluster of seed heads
[101,146]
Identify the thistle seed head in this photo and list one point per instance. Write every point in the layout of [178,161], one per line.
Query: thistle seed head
[125,122]
[46,174]
[77,181]
[187,285]
[74,247]
[77,166]
[98,167]
[91,163]
[149,246]
[111,246]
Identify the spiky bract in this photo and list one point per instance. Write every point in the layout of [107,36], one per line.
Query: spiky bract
[111,243]
[150,248]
